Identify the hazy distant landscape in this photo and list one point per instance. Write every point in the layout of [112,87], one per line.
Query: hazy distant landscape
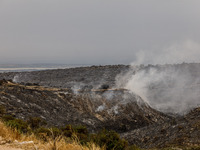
[35,67]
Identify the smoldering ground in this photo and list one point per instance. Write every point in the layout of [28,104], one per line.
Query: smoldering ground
[167,88]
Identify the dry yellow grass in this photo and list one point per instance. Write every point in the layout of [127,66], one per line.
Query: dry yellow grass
[13,139]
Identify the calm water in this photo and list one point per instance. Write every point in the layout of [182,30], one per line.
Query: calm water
[35,67]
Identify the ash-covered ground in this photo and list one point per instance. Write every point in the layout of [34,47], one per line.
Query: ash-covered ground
[80,77]
[150,106]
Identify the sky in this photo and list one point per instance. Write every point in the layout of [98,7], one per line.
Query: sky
[99,31]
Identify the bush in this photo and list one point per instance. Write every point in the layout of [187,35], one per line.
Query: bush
[81,130]
[51,132]
[23,126]
[55,132]
[67,131]
[110,139]
[6,118]
[35,122]
[81,133]
[18,124]
[42,133]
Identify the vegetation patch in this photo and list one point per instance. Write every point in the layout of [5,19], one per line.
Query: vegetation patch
[108,140]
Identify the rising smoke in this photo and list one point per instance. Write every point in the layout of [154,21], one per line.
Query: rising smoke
[16,78]
[179,52]
[167,88]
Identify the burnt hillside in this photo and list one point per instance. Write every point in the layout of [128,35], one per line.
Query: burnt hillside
[113,109]
[93,76]
[92,96]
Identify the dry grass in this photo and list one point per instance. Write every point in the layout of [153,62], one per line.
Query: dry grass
[17,140]
[8,134]
[63,145]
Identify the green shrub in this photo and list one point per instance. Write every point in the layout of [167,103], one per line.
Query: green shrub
[35,122]
[55,132]
[42,133]
[81,133]
[49,132]
[6,118]
[110,139]
[19,125]
[81,129]
[67,131]
[43,130]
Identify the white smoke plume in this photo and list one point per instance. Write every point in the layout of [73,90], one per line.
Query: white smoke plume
[186,51]
[167,88]
[16,78]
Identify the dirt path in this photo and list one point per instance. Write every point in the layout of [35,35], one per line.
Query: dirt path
[8,148]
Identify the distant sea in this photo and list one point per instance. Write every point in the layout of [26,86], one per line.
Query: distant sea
[35,67]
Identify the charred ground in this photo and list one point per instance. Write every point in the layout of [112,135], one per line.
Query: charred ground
[87,96]
[92,108]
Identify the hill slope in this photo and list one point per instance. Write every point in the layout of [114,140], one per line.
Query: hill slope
[113,109]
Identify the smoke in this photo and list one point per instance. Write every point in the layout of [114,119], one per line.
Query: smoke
[167,88]
[21,77]
[16,78]
[101,108]
[186,51]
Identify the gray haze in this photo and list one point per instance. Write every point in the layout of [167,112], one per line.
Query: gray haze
[99,31]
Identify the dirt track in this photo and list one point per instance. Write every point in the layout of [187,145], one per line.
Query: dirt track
[8,148]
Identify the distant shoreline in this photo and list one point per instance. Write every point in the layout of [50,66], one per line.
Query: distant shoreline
[36,67]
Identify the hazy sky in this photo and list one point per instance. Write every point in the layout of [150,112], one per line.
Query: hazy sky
[99,31]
